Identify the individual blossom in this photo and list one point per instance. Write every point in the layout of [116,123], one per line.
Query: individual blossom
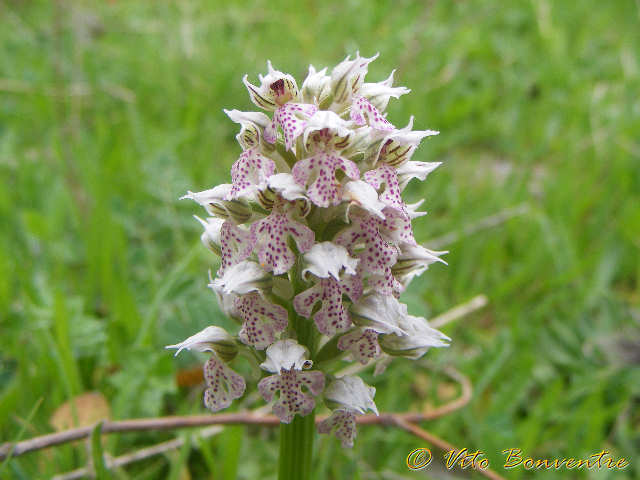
[417,337]
[262,320]
[396,147]
[223,385]
[325,261]
[349,396]
[324,136]
[271,235]
[278,92]
[362,343]
[347,78]
[294,386]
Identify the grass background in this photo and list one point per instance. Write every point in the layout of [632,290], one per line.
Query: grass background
[109,111]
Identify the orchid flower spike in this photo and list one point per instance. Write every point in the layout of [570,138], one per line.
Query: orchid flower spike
[315,244]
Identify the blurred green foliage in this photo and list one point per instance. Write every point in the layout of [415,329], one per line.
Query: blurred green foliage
[109,111]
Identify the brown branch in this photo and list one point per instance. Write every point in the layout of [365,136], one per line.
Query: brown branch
[440,444]
[244,418]
[476,303]
[138,455]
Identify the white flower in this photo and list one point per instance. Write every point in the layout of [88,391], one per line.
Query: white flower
[213,195]
[412,209]
[379,93]
[381,313]
[413,261]
[352,396]
[241,278]
[360,193]
[285,186]
[286,354]
[287,359]
[204,340]
[316,87]
[397,147]
[252,125]
[347,77]
[211,235]
[325,129]
[352,393]
[276,89]
[417,338]
[419,170]
[216,202]
[327,258]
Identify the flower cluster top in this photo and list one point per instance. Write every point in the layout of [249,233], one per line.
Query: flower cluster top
[316,244]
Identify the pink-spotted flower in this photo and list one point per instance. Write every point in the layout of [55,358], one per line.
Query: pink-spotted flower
[223,384]
[325,262]
[295,386]
[347,396]
[315,244]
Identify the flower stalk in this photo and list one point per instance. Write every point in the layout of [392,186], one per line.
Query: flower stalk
[296,448]
[316,246]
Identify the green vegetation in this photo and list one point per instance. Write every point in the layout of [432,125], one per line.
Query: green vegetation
[109,111]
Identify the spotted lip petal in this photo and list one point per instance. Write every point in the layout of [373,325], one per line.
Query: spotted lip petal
[363,113]
[328,259]
[320,171]
[363,240]
[332,316]
[236,245]
[387,176]
[418,337]
[386,284]
[203,340]
[271,235]
[396,227]
[362,343]
[249,172]
[223,384]
[287,358]
[292,118]
[262,320]
[352,393]
[293,399]
[343,421]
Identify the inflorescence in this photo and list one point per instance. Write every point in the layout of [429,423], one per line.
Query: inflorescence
[316,245]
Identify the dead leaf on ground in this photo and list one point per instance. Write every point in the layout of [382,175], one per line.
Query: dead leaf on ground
[90,408]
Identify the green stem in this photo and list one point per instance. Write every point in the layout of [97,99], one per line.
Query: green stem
[296,448]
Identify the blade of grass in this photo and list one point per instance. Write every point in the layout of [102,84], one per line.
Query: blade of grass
[21,433]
